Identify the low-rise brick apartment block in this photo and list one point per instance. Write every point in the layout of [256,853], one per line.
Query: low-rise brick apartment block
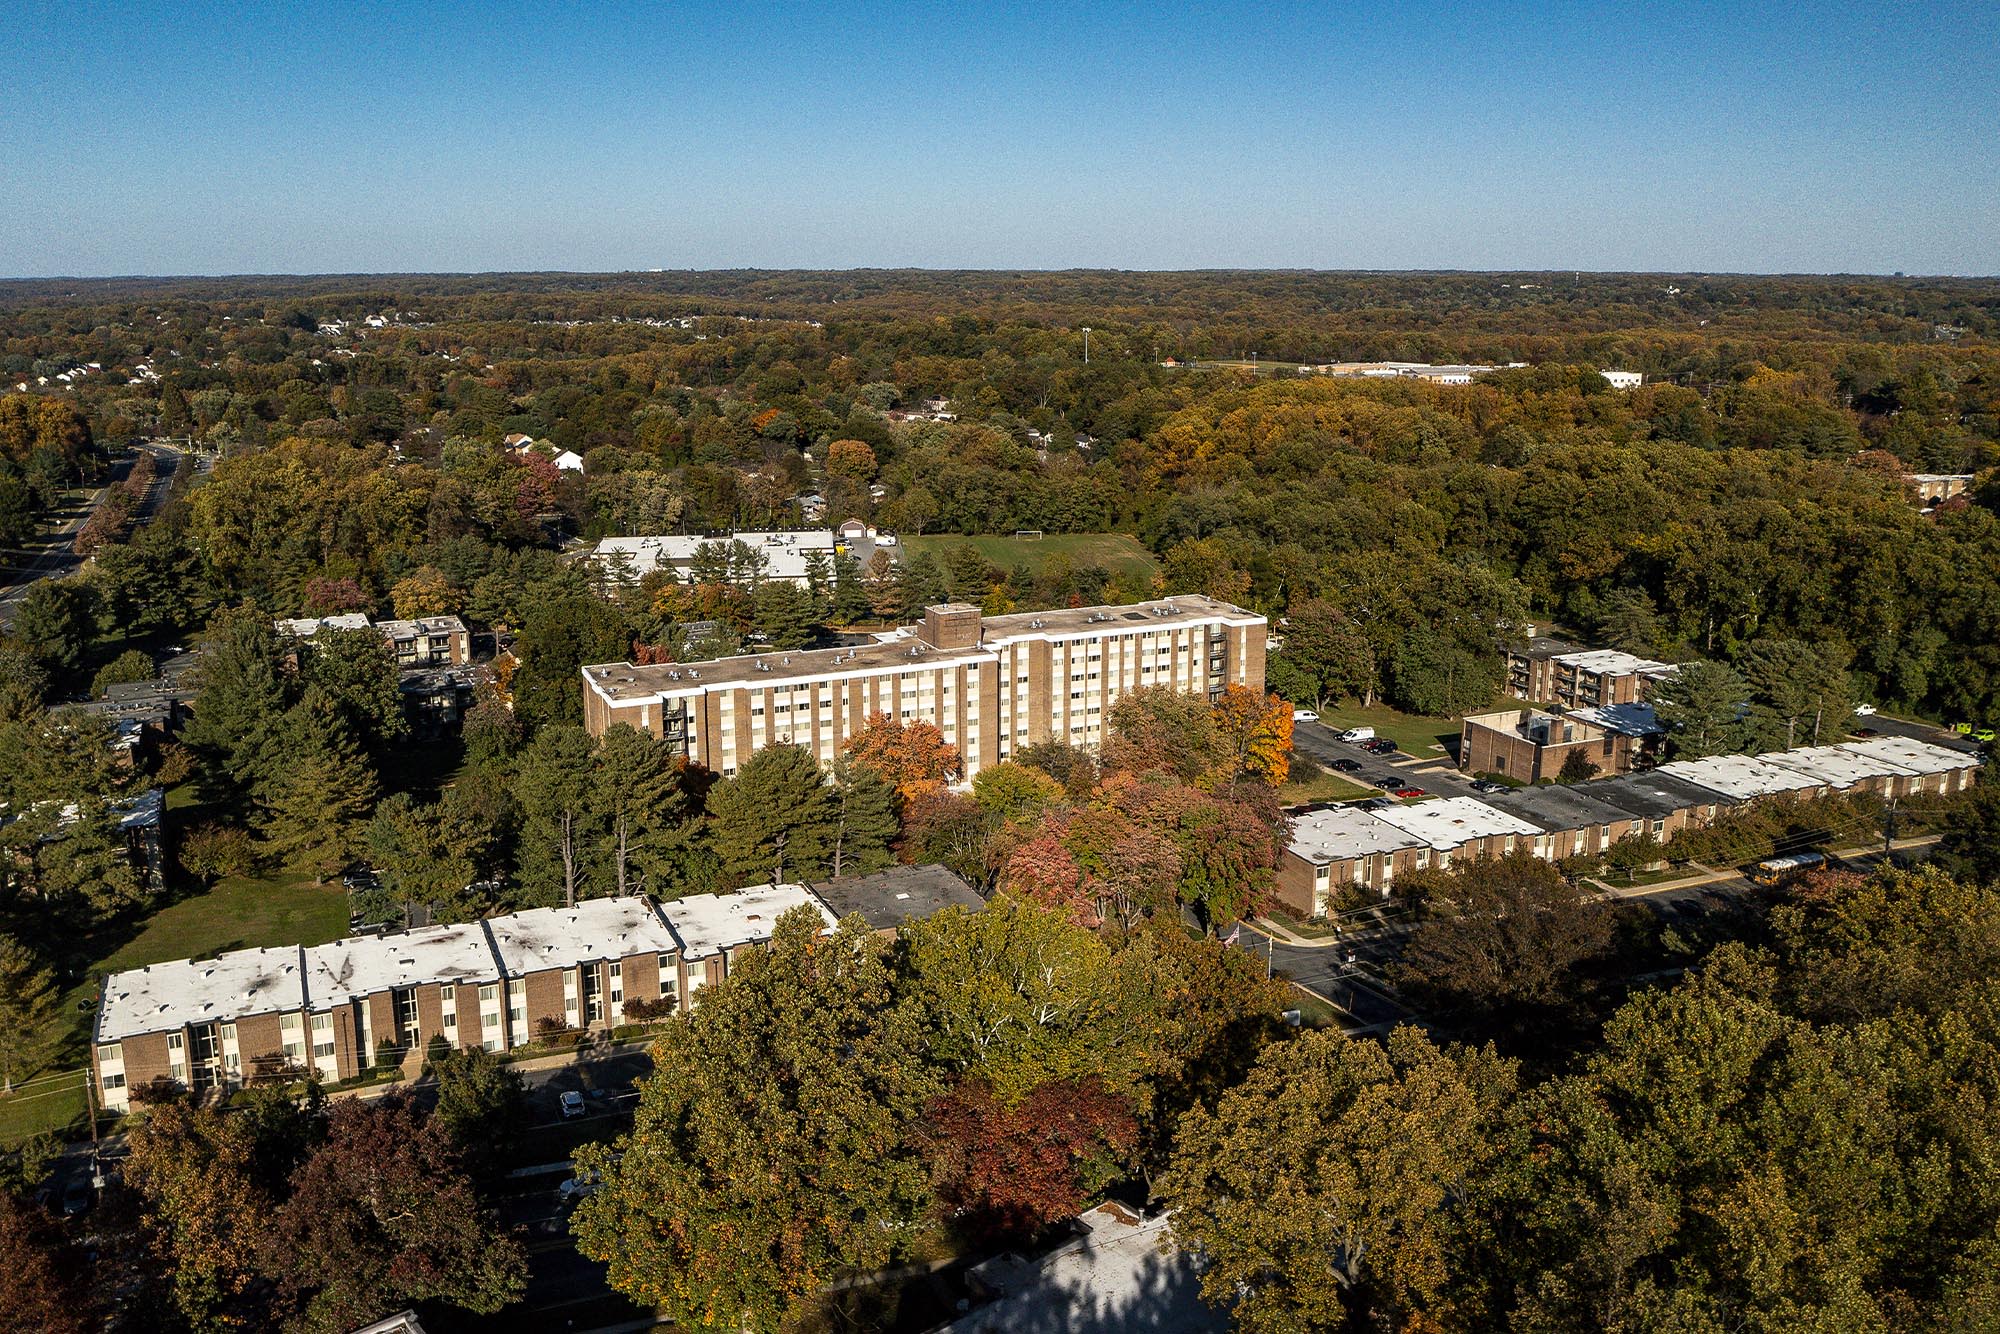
[341,1009]
[1332,852]
[990,684]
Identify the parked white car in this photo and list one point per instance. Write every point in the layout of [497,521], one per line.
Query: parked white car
[1304,716]
[1864,710]
[1357,735]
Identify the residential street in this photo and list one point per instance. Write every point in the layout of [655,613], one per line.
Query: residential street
[56,560]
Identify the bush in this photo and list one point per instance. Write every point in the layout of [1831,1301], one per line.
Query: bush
[212,851]
[642,1011]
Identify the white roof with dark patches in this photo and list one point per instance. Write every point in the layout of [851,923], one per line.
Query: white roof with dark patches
[710,923]
[1450,821]
[595,929]
[347,969]
[197,991]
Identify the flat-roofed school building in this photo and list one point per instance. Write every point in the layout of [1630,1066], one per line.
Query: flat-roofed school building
[990,684]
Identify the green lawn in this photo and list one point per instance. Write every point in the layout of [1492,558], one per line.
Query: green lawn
[238,913]
[1119,553]
[1321,786]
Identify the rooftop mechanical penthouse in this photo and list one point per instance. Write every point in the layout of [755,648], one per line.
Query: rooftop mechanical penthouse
[991,684]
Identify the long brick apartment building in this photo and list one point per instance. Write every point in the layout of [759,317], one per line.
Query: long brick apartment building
[341,1009]
[990,684]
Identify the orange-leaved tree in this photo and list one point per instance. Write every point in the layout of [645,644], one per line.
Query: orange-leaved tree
[1258,729]
[913,756]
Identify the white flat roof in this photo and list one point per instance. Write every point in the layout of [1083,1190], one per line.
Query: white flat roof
[1343,832]
[173,995]
[1740,776]
[1446,823]
[595,929]
[1919,757]
[710,923]
[1836,766]
[305,627]
[347,969]
[1611,661]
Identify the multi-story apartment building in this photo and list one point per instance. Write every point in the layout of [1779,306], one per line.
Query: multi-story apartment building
[427,641]
[1327,851]
[990,684]
[1548,671]
[420,643]
[341,1009]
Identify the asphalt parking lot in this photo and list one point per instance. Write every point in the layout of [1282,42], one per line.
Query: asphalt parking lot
[1432,773]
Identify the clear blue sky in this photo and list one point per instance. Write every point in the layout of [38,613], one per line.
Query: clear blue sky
[250,137]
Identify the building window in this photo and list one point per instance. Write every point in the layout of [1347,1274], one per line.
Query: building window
[114,1081]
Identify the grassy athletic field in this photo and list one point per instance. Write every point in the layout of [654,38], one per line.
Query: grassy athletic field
[1119,553]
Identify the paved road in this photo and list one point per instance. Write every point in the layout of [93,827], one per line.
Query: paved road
[57,560]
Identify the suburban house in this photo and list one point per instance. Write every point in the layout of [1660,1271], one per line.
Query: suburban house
[990,684]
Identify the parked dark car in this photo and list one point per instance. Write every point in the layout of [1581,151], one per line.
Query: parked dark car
[1374,804]
[1345,766]
[77,1197]
[1488,785]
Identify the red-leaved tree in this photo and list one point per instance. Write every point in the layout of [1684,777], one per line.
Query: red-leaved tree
[1004,1173]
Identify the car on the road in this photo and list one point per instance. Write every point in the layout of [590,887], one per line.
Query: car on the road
[1344,765]
[1304,716]
[1357,735]
[1864,710]
[1411,793]
[571,1103]
[1488,785]
[1379,746]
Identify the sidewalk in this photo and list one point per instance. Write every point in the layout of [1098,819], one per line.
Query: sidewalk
[531,1065]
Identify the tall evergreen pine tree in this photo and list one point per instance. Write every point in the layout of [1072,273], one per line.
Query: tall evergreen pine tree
[321,790]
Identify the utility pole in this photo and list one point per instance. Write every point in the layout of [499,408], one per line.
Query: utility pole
[1888,829]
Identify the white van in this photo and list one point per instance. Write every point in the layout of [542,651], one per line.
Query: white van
[1358,734]
[1304,716]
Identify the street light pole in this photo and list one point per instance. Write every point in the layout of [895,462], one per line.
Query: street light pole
[1086,344]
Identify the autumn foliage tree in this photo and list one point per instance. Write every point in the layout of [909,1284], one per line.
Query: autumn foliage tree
[1257,730]
[382,1216]
[913,756]
[1004,1172]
